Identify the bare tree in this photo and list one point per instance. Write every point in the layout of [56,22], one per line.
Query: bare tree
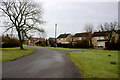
[89,28]
[24,16]
[112,26]
[109,29]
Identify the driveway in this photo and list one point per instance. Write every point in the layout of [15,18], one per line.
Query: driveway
[44,63]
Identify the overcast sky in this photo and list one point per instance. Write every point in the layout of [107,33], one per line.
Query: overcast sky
[71,17]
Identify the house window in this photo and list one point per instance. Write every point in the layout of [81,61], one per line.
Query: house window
[58,39]
[102,37]
[79,38]
[83,38]
[74,39]
[62,39]
[95,38]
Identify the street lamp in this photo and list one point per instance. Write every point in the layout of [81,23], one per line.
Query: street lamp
[55,35]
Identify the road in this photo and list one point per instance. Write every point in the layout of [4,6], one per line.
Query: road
[43,63]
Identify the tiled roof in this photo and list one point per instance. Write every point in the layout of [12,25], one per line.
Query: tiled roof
[63,35]
[81,34]
[53,39]
[95,34]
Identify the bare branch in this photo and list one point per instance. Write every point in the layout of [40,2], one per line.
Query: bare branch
[88,27]
[24,17]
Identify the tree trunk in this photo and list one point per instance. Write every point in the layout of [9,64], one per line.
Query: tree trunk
[21,42]
[21,45]
[109,38]
[90,40]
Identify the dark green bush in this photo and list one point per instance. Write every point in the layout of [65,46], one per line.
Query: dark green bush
[82,44]
[113,46]
[9,42]
[52,43]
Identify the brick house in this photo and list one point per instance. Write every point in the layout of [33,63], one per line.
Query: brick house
[99,39]
[34,40]
[51,42]
[64,39]
[80,37]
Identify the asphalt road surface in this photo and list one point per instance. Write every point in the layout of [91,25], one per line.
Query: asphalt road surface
[43,63]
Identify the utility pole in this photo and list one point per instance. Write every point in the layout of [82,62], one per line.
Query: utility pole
[55,35]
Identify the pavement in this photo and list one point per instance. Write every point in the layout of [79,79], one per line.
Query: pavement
[43,63]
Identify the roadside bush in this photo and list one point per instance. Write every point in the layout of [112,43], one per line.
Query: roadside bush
[59,45]
[113,46]
[38,43]
[43,43]
[52,43]
[82,44]
[9,42]
[64,45]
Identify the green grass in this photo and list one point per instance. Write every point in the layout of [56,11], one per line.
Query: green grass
[61,48]
[96,63]
[13,53]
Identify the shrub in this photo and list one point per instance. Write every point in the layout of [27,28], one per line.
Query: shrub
[52,43]
[59,45]
[38,43]
[9,42]
[82,44]
[64,45]
[113,46]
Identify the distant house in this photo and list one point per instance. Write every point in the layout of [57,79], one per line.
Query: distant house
[99,39]
[36,41]
[51,42]
[64,39]
[81,36]
[78,37]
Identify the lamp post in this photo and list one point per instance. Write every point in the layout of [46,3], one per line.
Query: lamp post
[55,35]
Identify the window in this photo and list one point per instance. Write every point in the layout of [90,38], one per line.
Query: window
[79,38]
[58,39]
[62,38]
[83,38]
[74,39]
[96,38]
[102,37]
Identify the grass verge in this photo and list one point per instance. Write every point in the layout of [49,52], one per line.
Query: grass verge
[96,63]
[13,53]
[61,48]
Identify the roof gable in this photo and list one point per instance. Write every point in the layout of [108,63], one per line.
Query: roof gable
[81,34]
[53,39]
[95,34]
[63,35]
